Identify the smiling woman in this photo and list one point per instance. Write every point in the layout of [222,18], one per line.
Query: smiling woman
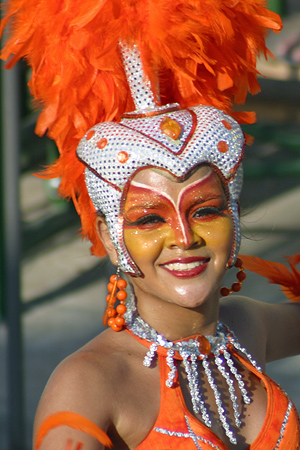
[157,183]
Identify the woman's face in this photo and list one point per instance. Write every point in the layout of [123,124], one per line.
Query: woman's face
[179,235]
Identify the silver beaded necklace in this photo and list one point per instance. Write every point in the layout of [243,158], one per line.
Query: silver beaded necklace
[205,349]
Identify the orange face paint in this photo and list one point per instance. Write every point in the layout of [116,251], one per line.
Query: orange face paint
[178,232]
[148,208]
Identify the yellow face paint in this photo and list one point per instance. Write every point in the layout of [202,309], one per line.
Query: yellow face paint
[178,232]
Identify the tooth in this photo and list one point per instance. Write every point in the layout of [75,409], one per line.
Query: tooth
[183,266]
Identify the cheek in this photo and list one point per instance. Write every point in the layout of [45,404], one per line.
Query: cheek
[144,245]
[218,234]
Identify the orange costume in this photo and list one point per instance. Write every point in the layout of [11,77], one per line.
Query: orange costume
[176,428]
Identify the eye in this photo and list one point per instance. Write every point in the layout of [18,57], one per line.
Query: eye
[207,212]
[147,221]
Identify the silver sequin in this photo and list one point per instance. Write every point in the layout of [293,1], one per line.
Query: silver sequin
[190,435]
[190,353]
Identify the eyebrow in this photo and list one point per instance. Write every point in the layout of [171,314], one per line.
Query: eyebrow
[160,205]
[143,206]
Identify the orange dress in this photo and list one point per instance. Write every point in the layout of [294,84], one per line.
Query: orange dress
[176,428]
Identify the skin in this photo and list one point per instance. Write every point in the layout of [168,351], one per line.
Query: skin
[105,380]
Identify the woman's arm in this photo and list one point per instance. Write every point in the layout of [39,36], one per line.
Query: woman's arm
[282,322]
[268,331]
[74,411]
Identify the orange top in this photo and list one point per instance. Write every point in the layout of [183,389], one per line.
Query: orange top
[177,429]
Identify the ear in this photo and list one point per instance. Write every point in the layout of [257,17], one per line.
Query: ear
[103,233]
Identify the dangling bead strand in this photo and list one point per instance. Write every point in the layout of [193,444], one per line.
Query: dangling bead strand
[114,316]
[237,286]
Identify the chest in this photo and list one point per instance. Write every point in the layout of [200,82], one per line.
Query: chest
[151,404]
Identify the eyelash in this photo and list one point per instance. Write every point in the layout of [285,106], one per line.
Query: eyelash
[154,219]
[149,219]
[207,211]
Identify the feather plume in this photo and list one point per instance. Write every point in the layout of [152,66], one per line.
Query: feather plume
[277,273]
[203,52]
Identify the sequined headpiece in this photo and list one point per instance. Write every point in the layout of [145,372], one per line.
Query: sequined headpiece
[192,53]
[172,139]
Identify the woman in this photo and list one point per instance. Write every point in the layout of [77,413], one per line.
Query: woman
[177,234]
[183,266]
[160,189]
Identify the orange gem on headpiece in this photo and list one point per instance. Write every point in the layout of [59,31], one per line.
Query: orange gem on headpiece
[223,146]
[170,128]
[102,143]
[90,134]
[122,157]
[227,124]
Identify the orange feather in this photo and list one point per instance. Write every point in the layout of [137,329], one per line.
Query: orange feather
[277,273]
[203,52]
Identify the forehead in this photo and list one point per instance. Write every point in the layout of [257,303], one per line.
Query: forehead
[158,181]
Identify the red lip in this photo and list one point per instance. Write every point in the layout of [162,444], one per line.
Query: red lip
[187,260]
[187,273]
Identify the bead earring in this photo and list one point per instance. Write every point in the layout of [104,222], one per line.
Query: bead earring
[237,286]
[113,317]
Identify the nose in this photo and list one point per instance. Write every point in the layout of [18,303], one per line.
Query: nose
[182,235]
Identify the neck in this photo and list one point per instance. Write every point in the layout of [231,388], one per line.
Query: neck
[175,322]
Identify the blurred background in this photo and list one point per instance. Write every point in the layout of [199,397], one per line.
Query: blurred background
[52,291]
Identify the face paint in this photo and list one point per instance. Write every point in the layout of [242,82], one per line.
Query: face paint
[178,230]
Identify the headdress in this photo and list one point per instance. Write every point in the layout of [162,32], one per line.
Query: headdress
[184,52]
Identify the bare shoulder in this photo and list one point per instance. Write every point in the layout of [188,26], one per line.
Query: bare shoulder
[86,383]
[268,331]
[245,317]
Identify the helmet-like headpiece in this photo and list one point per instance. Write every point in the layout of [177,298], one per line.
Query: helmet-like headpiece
[185,52]
[168,138]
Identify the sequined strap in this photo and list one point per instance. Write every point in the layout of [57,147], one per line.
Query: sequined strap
[162,351]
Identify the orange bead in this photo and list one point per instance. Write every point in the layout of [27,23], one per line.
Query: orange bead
[116,327]
[120,321]
[225,291]
[121,283]
[111,321]
[204,345]
[241,276]
[111,312]
[238,262]
[121,309]
[110,287]
[236,287]
[121,295]
[113,278]
[111,299]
